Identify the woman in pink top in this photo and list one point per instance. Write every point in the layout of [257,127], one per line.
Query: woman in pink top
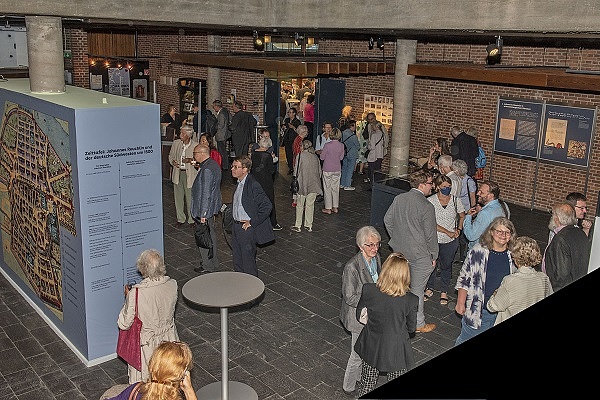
[332,156]
[309,116]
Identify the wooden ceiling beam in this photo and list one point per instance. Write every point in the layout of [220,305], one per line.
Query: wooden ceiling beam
[309,66]
[541,77]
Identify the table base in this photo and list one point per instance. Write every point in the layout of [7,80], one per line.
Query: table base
[237,391]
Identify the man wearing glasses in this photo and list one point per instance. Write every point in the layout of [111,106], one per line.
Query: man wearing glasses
[410,222]
[579,201]
[251,222]
[488,207]
[206,202]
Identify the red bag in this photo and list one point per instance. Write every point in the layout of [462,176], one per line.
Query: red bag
[128,345]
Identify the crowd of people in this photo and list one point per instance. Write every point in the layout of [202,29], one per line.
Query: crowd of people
[447,215]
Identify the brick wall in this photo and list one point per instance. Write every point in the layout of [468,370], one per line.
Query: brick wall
[437,104]
[440,104]
[77,43]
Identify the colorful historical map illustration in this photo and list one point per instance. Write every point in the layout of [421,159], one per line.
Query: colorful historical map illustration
[36,198]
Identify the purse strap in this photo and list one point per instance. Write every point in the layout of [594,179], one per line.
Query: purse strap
[136,300]
[136,389]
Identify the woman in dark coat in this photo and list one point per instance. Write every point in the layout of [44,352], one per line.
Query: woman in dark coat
[384,343]
[263,170]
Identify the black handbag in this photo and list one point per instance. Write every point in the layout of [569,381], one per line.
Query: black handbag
[203,238]
[294,185]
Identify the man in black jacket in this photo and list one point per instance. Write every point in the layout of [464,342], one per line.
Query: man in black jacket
[567,256]
[242,127]
[251,223]
[464,147]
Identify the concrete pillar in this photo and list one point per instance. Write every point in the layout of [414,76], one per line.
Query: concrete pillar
[406,53]
[213,81]
[45,53]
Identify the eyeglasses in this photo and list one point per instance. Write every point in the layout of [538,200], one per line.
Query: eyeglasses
[502,233]
[236,167]
[373,245]
[581,207]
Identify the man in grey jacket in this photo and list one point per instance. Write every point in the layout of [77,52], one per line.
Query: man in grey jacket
[410,222]
[206,202]
[223,133]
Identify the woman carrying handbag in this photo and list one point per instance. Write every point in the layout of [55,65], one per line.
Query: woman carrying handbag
[156,297]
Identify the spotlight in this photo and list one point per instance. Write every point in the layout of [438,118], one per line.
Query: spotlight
[380,43]
[298,40]
[371,43]
[259,43]
[494,51]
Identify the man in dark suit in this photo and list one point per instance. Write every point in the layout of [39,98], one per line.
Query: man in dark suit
[251,210]
[410,222]
[242,129]
[464,147]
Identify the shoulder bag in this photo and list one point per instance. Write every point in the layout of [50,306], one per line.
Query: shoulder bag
[294,185]
[369,150]
[128,345]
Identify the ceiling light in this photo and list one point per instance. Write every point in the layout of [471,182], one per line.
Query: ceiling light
[259,43]
[494,51]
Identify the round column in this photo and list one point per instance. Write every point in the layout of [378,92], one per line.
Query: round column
[213,81]
[45,54]
[406,53]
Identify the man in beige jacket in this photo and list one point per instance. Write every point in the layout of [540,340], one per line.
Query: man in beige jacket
[183,173]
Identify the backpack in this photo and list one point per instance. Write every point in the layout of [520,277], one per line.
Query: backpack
[211,123]
[480,160]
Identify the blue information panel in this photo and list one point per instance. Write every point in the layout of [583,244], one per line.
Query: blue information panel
[518,127]
[568,134]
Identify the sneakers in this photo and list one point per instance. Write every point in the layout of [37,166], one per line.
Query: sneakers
[349,188]
[295,228]
[366,180]
[308,228]
[426,328]
[277,227]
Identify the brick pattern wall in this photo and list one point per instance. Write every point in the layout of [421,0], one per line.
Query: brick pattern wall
[77,43]
[437,104]
[440,104]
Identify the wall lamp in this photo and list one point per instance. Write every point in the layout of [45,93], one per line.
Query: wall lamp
[259,43]
[380,43]
[371,43]
[494,51]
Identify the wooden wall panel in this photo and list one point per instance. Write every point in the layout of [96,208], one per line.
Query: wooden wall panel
[111,44]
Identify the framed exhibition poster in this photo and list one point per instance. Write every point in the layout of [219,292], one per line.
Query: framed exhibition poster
[518,126]
[567,134]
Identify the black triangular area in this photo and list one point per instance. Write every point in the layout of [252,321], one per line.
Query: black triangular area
[535,352]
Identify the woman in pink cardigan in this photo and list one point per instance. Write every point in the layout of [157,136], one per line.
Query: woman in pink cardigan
[332,156]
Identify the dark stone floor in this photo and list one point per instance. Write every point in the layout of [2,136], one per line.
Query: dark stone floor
[291,346]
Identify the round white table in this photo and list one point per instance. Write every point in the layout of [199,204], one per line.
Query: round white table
[224,290]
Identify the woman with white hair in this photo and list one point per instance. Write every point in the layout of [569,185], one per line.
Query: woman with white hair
[155,297]
[363,268]
[468,189]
